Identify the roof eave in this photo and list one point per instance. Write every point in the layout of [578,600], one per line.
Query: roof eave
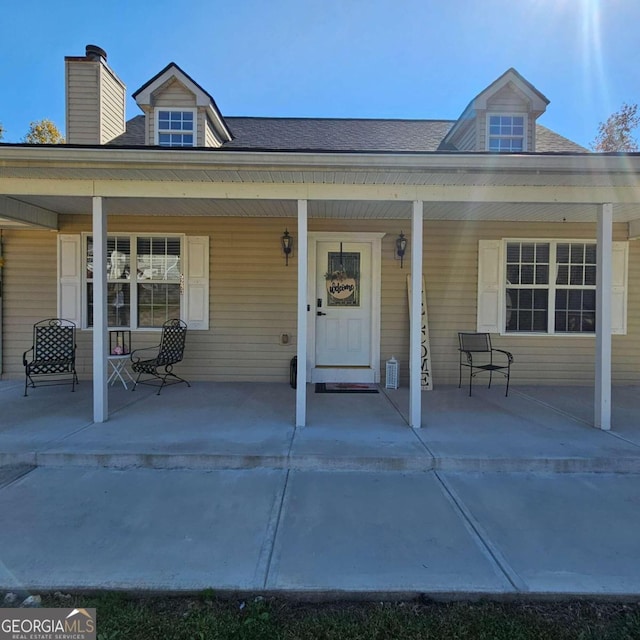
[60,155]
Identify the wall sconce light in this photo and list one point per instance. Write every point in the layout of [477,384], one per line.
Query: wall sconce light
[287,245]
[401,248]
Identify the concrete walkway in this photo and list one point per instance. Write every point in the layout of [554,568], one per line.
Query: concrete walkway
[211,487]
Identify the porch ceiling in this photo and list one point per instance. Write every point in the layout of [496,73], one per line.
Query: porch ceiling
[39,183]
[358,209]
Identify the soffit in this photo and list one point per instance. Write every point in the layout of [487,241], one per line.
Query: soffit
[373,176]
[358,209]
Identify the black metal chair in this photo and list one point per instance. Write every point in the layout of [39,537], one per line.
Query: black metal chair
[169,352]
[53,354]
[476,353]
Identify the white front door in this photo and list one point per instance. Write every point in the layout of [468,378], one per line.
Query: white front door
[343,312]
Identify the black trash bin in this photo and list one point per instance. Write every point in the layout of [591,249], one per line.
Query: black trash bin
[293,372]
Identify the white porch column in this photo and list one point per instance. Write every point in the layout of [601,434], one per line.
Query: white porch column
[301,380]
[415,321]
[602,417]
[100,327]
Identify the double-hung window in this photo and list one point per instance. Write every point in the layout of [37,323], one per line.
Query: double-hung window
[144,280]
[546,286]
[176,128]
[550,287]
[506,133]
[151,278]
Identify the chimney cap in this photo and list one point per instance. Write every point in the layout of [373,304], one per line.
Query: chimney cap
[93,52]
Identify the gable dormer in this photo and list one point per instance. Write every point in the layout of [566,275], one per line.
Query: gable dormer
[502,118]
[179,112]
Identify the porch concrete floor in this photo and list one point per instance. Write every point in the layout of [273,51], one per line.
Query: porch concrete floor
[248,425]
[213,487]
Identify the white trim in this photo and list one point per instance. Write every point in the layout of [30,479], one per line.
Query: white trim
[69,277]
[490,315]
[537,100]
[619,287]
[604,272]
[634,229]
[303,315]
[100,347]
[194,269]
[342,374]
[415,320]
[551,287]
[146,95]
[133,282]
[375,239]
[156,131]
[508,114]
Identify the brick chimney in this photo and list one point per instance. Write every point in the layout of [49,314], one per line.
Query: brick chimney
[95,99]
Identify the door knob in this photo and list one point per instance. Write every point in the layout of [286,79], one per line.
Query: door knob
[320,313]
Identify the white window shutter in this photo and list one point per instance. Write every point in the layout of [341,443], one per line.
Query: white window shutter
[69,278]
[196,286]
[489,286]
[619,288]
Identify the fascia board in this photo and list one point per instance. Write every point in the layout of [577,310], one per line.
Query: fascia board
[58,155]
[537,100]
[145,96]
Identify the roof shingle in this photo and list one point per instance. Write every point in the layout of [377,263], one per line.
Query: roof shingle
[343,135]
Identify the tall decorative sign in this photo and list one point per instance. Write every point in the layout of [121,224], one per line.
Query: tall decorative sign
[426,380]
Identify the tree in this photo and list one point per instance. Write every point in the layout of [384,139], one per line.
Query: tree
[43,132]
[1,131]
[616,133]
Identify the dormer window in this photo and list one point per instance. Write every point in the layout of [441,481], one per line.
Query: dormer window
[506,133]
[175,128]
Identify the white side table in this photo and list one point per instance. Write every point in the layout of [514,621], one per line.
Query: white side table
[118,365]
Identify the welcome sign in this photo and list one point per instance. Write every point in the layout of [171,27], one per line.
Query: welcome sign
[343,279]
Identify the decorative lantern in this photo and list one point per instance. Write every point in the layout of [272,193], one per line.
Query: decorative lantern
[287,245]
[119,343]
[401,248]
[391,381]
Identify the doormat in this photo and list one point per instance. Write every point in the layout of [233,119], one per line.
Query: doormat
[345,387]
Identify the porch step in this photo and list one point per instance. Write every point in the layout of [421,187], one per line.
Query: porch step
[200,461]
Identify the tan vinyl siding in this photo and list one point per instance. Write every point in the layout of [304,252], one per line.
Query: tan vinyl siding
[29,291]
[201,120]
[112,103]
[507,101]
[539,359]
[175,96]
[465,138]
[83,108]
[468,140]
[481,130]
[253,298]
[95,103]
[210,138]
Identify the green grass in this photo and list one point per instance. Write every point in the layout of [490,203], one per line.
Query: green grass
[122,617]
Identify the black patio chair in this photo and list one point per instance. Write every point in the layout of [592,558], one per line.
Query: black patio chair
[53,354]
[169,352]
[477,354]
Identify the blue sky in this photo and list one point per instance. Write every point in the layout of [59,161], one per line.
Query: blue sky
[332,58]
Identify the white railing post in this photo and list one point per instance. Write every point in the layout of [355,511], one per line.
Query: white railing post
[415,321]
[100,325]
[602,409]
[301,377]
